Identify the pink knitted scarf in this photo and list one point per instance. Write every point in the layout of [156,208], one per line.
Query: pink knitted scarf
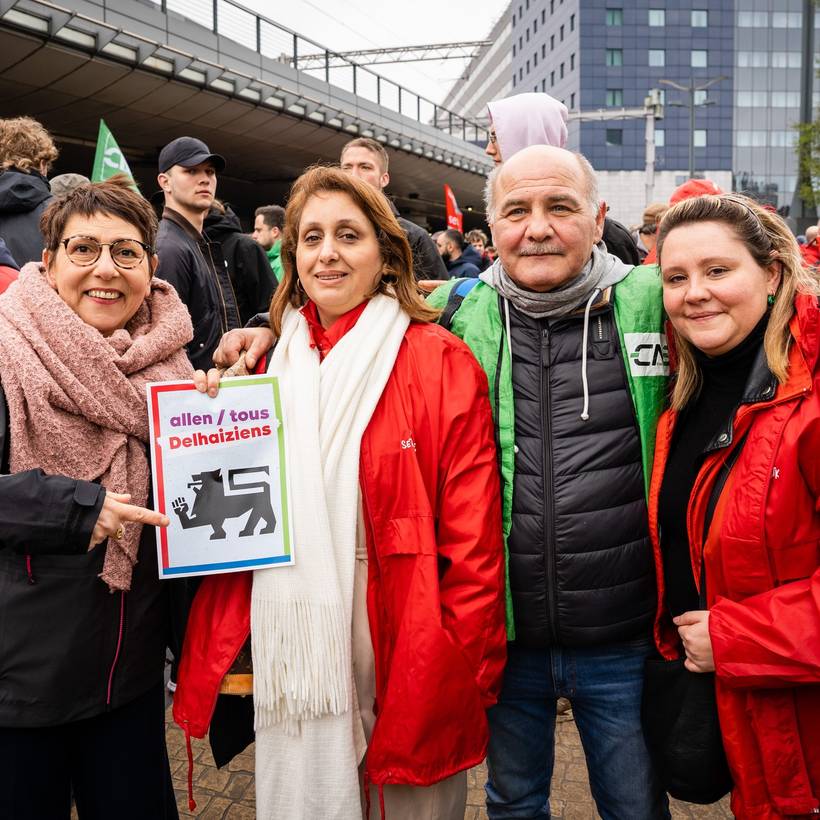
[76,398]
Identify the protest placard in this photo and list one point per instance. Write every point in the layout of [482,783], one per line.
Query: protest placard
[220,475]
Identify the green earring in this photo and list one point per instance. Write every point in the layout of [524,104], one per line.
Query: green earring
[770,299]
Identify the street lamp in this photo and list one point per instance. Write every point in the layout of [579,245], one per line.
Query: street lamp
[691,104]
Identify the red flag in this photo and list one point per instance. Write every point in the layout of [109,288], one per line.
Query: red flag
[454,217]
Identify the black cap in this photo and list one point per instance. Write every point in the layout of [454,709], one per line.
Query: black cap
[188,151]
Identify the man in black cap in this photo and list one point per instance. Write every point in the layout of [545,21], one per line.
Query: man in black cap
[192,264]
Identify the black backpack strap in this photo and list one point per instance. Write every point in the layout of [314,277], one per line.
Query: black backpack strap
[711,506]
[457,293]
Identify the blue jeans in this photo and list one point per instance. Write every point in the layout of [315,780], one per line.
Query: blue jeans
[604,685]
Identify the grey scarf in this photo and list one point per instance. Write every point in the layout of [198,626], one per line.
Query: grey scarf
[601,271]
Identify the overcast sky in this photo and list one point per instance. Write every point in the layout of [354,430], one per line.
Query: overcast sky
[360,24]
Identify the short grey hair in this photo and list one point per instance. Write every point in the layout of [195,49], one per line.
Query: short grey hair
[587,171]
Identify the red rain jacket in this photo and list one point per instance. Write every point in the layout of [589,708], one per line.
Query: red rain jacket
[435,592]
[763,585]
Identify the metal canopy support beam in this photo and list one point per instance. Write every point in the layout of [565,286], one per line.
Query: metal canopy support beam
[400,54]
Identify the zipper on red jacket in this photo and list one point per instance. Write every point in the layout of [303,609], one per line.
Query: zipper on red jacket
[31,579]
[117,651]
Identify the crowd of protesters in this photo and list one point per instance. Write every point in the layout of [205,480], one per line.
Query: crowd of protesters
[559,461]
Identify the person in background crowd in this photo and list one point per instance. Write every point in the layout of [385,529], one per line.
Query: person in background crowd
[64,184]
[461,258]
[554,326]
[248,266]
[86,619]
[539,119]
[8,267]
[191,263]
[478,239]
[649,220]
[810,251]
[26,154]
[268,224]
[745,314]
[399,574]
[366,159]
[492,253]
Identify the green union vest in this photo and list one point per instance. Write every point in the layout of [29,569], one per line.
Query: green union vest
[639,317]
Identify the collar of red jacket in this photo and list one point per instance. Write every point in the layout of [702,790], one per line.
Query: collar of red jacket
[323,339]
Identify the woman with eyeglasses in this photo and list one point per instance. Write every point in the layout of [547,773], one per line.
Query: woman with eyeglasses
[84,619]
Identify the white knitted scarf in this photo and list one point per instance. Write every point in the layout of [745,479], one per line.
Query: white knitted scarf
[301,614]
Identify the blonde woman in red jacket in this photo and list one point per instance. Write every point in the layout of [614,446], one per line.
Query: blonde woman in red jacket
[747,330]
[396,598]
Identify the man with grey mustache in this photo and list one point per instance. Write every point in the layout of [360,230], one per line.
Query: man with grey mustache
[571,340]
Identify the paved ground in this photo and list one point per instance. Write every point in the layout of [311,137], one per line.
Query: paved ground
[228,794]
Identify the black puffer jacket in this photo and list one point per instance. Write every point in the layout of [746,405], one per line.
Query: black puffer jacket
[69,649]
[581,571]
[251,275]
[427,262]
[195,267]
[23,198]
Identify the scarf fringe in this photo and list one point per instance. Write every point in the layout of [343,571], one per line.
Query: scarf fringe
[301,662]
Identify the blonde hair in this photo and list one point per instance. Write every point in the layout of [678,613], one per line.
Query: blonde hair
[25,145]
[397,279]
[769,240]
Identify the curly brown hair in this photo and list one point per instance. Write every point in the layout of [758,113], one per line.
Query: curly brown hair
[25,145]
[397,261]
[114,197]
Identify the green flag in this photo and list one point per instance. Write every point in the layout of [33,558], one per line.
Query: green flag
[109,160]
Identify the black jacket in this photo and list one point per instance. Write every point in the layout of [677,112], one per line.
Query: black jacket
[69,649]
[581,567]
[427,262]
[23,198]
[251,275]
[620,243]
[195,267]
[464,266]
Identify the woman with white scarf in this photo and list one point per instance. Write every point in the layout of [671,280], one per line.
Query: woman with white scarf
[376,655]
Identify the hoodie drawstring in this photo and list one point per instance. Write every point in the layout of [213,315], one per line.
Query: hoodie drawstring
[584,380]
[190,751]
[29,572]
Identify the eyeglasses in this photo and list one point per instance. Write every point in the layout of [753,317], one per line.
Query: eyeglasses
[85,250]
[493,137]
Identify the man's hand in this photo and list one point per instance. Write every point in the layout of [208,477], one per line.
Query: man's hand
[116,512]
[693,628]
[255,341]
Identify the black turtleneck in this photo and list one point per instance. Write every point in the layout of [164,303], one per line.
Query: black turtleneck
[723,380]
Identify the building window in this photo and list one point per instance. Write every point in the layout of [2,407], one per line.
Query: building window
[552,6]
[657,17]
[750,139]
[543,16]
[699,58]
[614,136]
[785,59]
[520,73]
[513,18]
[520,43]
[528,66]
[561,34]
[700,18]
[527,33]
[552,79]
[614,56]
[572,22]
[544,84]
[657,56]
[700,137]
[552,42]
[535,59]
[660,138]
[513,80]
[572,101]
[561,71]
[753,99]
[662,96]
[513,49]
[753,19]
[756,59]
[543,50]
[787,19]
[534,26]
[614,96]
[700,96]
[614,17]
[785,99]
[572,62]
